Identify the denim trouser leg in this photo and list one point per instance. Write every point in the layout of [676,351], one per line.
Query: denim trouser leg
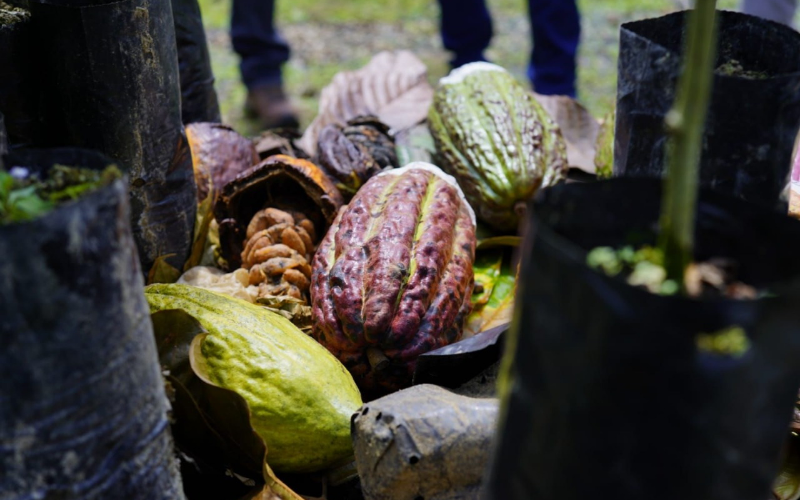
[556,33]
[781,11]
[466,29]
[261,48]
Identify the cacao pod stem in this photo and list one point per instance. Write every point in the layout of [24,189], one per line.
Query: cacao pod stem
[377,359]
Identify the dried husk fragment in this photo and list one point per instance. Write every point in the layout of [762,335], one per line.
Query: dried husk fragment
[219,154]
[354,153]
[279,141]
[423,442]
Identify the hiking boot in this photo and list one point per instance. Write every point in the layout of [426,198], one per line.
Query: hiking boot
[270,105]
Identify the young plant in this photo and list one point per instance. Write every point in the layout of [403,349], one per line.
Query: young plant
[685,124]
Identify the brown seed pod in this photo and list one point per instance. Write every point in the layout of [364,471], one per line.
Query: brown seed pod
[218,155]
[352,154]
[296,188]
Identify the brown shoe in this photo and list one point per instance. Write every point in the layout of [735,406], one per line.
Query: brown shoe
[270,105]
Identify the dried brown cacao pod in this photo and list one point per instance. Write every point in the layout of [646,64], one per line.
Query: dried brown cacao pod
[294,186]
[219,154]
[280,141]
[354,153]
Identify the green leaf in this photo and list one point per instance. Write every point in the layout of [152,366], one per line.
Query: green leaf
[498,309]
[487,271]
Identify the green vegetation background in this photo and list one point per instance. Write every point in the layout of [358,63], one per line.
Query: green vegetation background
[332,35]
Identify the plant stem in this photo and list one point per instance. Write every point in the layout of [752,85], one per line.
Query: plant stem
[685,123]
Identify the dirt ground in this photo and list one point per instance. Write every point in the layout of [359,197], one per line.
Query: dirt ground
[334,35]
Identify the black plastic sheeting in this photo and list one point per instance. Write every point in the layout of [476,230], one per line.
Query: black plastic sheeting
[19,87]
[83,411]
[752,122]
[611,396]
[198,98]
[112,75]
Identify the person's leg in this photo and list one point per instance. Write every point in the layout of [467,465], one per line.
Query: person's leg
[466,27]
[781,11]
[262,51]
[556,31]
[254,38]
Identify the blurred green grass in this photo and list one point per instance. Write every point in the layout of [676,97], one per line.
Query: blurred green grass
[335,35]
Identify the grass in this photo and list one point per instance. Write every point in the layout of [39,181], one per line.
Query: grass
[335,35]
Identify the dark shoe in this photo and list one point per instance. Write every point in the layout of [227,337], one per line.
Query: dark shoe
[270,105]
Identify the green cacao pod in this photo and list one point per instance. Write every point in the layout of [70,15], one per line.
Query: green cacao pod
[301,398]
[496,140]
[393,277]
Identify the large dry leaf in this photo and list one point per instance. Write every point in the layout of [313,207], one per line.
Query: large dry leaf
[393,86]
[578,127]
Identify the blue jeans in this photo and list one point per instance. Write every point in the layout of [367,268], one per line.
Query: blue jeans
[261,49]
[467,30]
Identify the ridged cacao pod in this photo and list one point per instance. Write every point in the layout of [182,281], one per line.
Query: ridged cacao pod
[352,154]
[219,154]
[393,276]
[496,140]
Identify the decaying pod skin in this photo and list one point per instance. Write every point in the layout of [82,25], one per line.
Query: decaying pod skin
[219,154]
[496,140]
[393,276]
[353,153]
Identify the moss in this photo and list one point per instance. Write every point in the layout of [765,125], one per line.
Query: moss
[24,197]
[10,14]
[735,68]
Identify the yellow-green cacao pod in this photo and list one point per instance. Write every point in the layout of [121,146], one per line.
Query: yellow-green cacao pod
[496,140]
[301,398]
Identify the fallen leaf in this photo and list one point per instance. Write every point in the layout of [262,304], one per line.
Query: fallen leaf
[486,270]
[205,215]
[393,86]
[497,311]
[578,127]
[415,144]
[787,485]
[162,271]
[498,241]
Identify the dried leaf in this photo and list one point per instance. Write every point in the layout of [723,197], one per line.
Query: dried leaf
[498,241]
[578,127]
[205,215]
[295,310]
[235,284]
[393,86]
[787,484]
[162,271]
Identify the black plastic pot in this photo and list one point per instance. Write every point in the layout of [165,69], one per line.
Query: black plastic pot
[198,98]
[83,410]
[111,69]
[19,87]
[752,122]
[612,397]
